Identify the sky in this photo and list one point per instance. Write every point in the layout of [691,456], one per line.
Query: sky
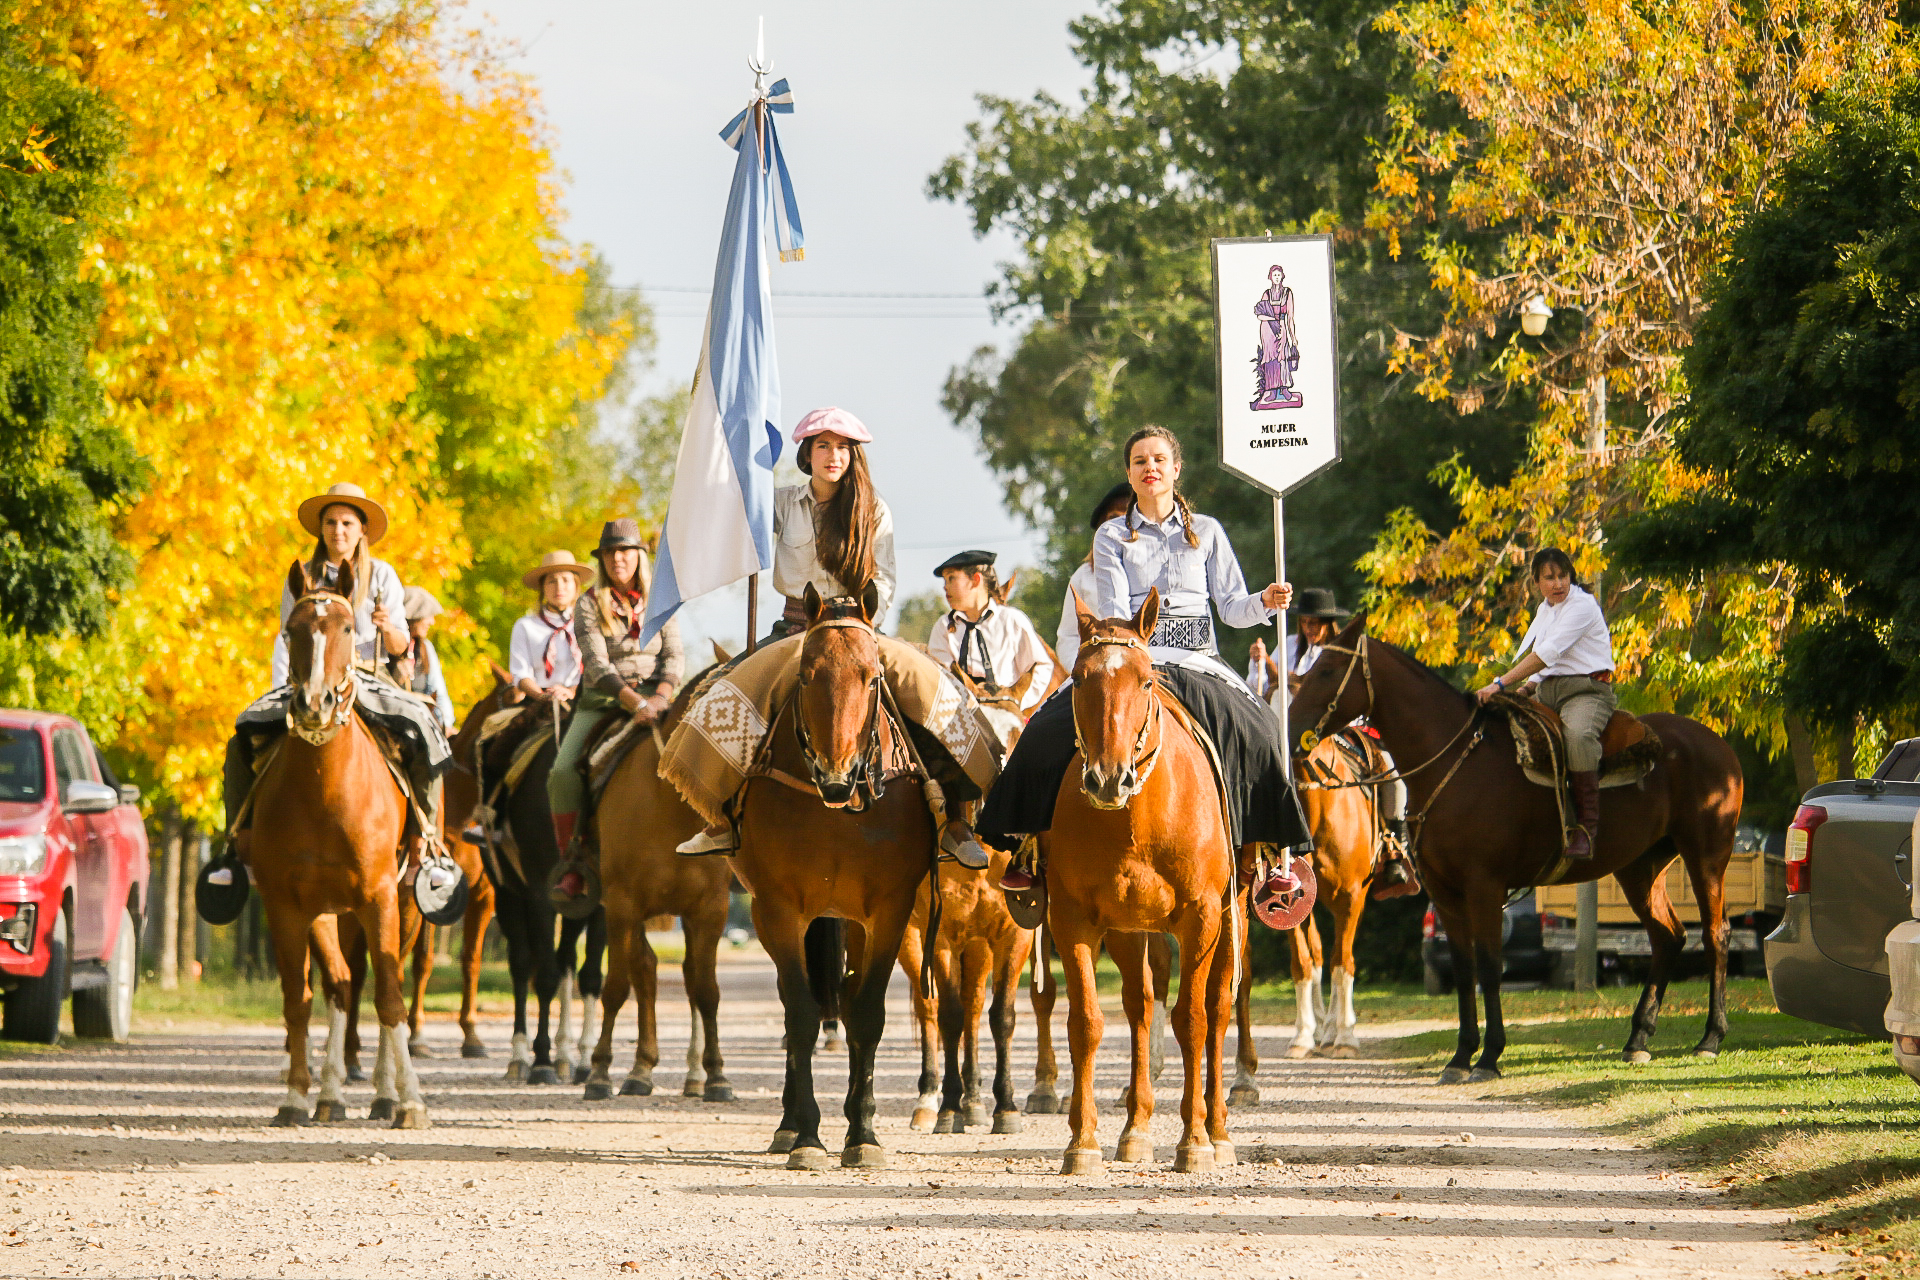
[635,95]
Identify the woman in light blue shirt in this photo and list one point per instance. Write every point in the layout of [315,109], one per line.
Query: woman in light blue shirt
[1159,542]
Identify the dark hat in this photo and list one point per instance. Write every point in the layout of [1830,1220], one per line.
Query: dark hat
[1317,602]
[1121,494]
[966,560]
[615,534]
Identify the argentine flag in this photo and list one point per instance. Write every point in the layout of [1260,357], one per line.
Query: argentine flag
[720,515]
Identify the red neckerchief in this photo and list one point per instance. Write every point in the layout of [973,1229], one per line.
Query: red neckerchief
[634,613]
[556,630]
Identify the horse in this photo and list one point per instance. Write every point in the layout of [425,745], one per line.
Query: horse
[1482,829]
[1141,844]
[328,817]
[640,819]
[840,847]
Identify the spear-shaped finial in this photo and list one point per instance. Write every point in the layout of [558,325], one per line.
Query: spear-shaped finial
[758,63]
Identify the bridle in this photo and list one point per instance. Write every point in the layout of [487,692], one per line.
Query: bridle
[866,777]
[346,691]
[1311,738]
[1140,761]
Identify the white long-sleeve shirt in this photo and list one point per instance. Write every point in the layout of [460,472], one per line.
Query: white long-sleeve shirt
[796,560]
[537,637]
[1188,577]
[1570,637]
[1002,648]
[1066,639]
[383,588]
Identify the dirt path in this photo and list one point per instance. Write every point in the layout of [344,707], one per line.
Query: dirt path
[154,1159]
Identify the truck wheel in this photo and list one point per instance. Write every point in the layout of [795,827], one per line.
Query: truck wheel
[1437,984]
[33,1008]
[106,1012]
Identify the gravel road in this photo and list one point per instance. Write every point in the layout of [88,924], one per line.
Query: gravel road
[155,1159]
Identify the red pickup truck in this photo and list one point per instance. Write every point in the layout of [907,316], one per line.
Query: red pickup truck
[73,882]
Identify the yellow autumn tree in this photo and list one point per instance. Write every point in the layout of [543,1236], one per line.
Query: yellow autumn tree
[337,259]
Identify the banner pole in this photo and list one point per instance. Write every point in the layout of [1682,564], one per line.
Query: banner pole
[753,609]
[1280,646]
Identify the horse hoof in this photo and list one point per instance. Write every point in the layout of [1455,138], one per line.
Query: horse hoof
[721,1092]
[807,1159]
[1706,1055]
[419,1049]
[414,1117]
[329,1112]
[949,1122]
[382,1109]
[1637,1056]
[580,1074]
[1243,1095]
[1223,1153]
[1081,1162]
[543,1075]
[516,1070]
[1194,1159]
[354,1074]
[1480,1075]
[923,1118]
[291,1118]
[1134,1148]
[693,1089]
[1299,1051]
[783,1140]
[634,1088]
[864,1156]
[1454,1075]
[597,1091]
[972,1116]
[473,1050]
[834,1044]
[1008,1122]
[1343,1051]
[1041,1103]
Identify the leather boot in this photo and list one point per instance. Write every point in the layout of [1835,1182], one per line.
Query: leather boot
[572,884]
[1586,813]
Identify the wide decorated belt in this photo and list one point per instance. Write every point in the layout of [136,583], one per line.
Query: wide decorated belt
[1184,633]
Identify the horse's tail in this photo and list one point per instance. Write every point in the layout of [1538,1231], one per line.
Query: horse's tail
[826,953]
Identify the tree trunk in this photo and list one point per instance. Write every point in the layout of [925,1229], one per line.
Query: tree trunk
[187,919]
[1806,771]
[170,842]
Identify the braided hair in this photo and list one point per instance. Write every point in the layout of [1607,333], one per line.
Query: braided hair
[1179,499]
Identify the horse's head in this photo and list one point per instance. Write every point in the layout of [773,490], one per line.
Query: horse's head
[837,708]
[1114,707]
[1337,689]
[320,642]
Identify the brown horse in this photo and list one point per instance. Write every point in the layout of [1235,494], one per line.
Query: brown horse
[807,854]
[1141,844]
[1482,830]
[640,818]
[327,822]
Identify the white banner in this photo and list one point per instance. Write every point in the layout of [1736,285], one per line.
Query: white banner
[1276,342]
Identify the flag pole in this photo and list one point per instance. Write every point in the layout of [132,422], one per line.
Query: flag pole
[759,66]
[753,607]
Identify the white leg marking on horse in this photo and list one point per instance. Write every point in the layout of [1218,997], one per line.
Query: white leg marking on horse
[383,1083]
[334,1074]
[589,1028]
[522,1051]
[562,1048]
[410,1097]
[1305,996]
[697,1049]
[1345,1019]
[295,1100]
[1157,1041]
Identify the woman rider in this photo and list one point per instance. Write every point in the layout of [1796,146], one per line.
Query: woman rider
[1570,668]
[1112,505]
[1160,543]
[346,523]
[835,534]
[617,674]
[543,659]
[992,642]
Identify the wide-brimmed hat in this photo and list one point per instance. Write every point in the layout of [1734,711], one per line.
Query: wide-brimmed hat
[372,514]
[614,534]
[966,560]
[556,562]
[1318,602]
[419,603]
[1121,493]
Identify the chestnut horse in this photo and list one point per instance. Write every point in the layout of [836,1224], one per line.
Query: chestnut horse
[640,818]
[811,854]
[1482,830]
[327,822]
[1141,844]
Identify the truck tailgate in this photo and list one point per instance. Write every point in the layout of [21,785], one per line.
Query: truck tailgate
[1861,870]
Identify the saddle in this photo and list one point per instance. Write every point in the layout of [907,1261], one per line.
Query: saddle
[1628,749]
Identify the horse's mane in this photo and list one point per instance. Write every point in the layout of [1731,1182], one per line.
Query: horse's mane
[1428,672]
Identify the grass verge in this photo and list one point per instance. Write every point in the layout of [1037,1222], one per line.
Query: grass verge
[1791,1115]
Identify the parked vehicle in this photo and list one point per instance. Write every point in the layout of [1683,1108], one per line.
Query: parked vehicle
[73,882]
[1755,896]
[1849,868]
[1523,958]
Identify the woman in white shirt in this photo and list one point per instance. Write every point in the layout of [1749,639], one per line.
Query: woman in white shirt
[543,658]
[1568,659]
[1066,641]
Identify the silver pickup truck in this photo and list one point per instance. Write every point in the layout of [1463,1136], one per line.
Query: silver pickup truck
[1849,884]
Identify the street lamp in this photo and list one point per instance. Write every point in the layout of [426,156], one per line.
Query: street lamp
[1534,316]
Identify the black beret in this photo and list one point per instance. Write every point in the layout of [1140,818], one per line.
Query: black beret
[966,560]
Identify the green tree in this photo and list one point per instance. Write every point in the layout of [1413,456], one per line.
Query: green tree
[64,467]
[1205,118]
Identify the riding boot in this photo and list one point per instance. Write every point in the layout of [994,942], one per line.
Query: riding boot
[237,776]
[1586,813]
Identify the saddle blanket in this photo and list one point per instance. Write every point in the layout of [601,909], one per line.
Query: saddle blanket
[403,715]
[1628,749]
[713,748]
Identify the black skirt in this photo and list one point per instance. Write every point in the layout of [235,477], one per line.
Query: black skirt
[1261,805]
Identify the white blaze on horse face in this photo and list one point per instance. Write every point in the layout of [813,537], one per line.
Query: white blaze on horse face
[1110,658]
[317,668]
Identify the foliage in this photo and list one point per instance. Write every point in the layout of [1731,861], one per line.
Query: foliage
[1805,415]
[1205,118]
[1613,150]
[337,259]
[64,469]
[918,613]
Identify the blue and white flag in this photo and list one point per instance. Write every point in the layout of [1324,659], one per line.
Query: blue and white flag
[720,515]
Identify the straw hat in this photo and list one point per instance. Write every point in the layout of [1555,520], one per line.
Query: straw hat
[419,603]
[556,562]
[372,514]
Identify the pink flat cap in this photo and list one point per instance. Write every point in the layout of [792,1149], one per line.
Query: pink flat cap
[834,419]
